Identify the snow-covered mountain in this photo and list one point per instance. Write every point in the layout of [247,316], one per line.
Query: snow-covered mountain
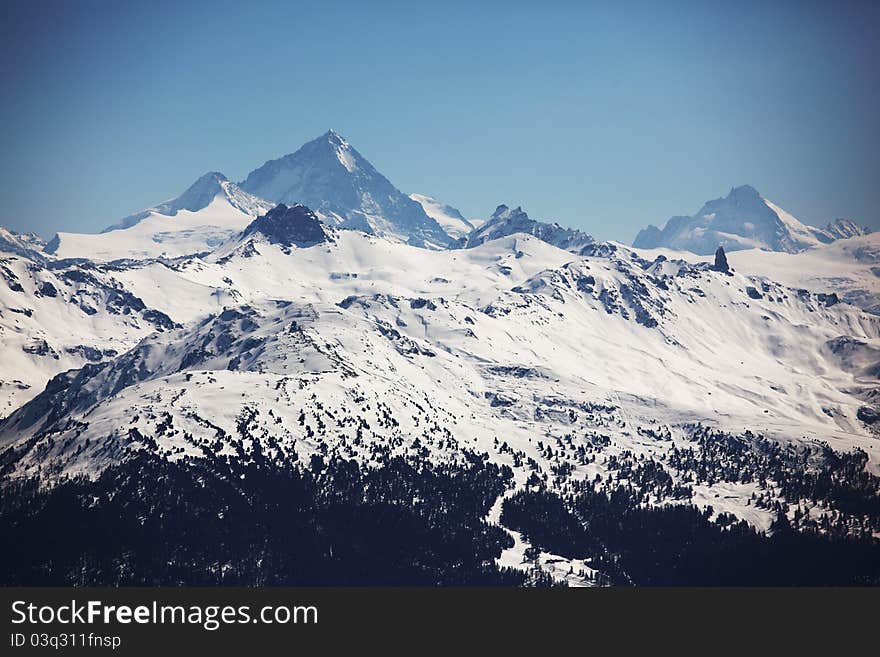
[28,245]
[328,175]
[59,315]
[549,364]
[287,227]
[516,338]
[741,220]
[198,196]
[510,221]
[841,229]
[848,267]
[209,212]
[452,221]
[295,341]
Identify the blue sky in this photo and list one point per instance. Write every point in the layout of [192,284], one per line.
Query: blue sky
[603,116]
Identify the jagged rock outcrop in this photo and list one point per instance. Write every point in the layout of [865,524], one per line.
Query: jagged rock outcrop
[721,263]
[508,221]
[296,225]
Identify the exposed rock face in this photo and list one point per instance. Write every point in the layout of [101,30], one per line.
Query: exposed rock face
[868,415]
[841,229]
[289,226]
[508,221]
[721,261]
[26,245]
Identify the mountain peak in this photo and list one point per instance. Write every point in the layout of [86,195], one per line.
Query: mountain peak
[28,245]
[287,226]
[744,195]
[328,175]
[845,228]
[506,221]
[210,211]
[211,177]
[741,220]
[336,142]
[197,196]
[744,191]
[201,192]
[504,212]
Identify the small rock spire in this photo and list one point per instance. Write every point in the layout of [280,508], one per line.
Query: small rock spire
[721,261]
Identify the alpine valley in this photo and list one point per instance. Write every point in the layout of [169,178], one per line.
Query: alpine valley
[312,377]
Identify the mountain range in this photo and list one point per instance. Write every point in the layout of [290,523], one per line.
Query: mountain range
[332,178]
[504,402]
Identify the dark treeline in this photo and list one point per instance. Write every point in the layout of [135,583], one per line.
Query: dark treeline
[679,545]
[839,484]
[255,520]
[149,521]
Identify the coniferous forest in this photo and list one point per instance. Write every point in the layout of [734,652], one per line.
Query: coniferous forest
[150,521]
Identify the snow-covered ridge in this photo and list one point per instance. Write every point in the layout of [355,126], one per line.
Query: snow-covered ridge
[742,220]
[198,196]
[849,267]
[513,338]
[59,315]
[452,221]
[209,212]
[29,245]
[842,229]
[510,221]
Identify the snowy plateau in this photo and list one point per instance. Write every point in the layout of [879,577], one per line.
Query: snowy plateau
[558,410]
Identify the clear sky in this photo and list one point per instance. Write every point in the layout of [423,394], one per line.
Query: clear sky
[603,116]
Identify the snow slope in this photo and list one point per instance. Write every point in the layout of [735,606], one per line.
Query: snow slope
[28,245]
[208,213]
[452,221]
[56,316]
[848,267]
[514,348]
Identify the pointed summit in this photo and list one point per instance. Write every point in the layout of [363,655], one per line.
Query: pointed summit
[744,192]
[330,176]
[210,211]
[198,196]
[721,263]
[741,220]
